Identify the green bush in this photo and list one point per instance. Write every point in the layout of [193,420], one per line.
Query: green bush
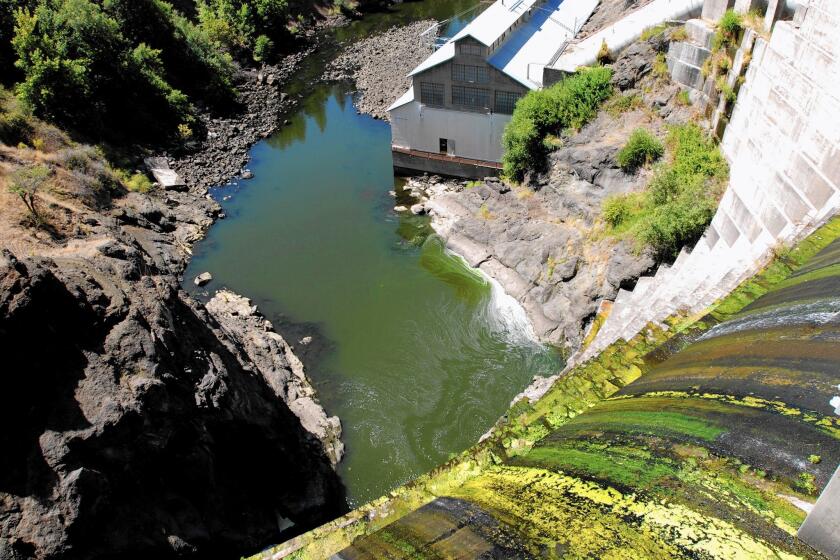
[568,104]
[14,128]
[263,48]
[615,210]
[604,56]
[730,23]
[641,148]
[238,25]
[137,182]
[680,199]
[119,69]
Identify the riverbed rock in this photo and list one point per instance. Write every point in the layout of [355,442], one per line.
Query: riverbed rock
[418,209]
[247,174]
[400,208]
[220,154]
[203,279]
[144,412]
[276,362]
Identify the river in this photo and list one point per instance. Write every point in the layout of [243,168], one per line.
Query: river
[416,353]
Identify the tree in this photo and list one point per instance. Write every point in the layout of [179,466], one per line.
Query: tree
[88,67]
[26,182]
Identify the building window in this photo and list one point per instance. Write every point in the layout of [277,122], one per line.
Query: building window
[505,102]
[470,48]
[431,93]
[471,74]
[470,96]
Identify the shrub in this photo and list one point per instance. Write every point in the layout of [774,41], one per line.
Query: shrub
[604,56]
[641,148]
[660,66]
[683,98]
[730,24]
[568,104]
[726,91]
[238,25]
[26,182]
[615,210]
[263,48]
[137,182]
[14,128]
[679,34]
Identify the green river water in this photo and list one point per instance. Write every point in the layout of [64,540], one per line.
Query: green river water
[416,353]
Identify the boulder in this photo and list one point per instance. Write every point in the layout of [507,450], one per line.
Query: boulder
[203,279]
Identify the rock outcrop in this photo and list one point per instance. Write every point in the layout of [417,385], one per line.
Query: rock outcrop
[138,425]
[278,365]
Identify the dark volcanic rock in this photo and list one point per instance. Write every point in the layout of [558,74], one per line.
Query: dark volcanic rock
[135,427]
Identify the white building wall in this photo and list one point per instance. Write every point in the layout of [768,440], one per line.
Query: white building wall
[469,135]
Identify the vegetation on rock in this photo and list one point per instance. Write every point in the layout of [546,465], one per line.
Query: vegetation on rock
[679,201]
[568,104]
[641,149]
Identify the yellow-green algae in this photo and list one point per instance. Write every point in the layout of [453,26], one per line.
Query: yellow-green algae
[592,518]
[598,521]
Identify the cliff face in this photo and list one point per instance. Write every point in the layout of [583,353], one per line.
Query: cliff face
[138,425]
[545,242]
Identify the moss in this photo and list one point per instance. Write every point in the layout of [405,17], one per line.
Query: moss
[651,32]
[596,520]
[613,465]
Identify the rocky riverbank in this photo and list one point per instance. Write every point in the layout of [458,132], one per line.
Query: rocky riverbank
[223,154]
[378,65]
[278,365]
[543,241]
[146,426]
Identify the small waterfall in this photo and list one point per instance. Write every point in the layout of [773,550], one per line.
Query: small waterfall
[505,315]
[494,307]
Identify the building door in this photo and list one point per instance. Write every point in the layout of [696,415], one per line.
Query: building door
[444,146]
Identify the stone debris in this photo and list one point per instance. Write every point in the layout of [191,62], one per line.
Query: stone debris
[379,65]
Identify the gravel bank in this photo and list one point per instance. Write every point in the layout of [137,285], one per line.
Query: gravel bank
[379,64]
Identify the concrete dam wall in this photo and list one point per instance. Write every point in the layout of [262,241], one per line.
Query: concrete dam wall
[783,145]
